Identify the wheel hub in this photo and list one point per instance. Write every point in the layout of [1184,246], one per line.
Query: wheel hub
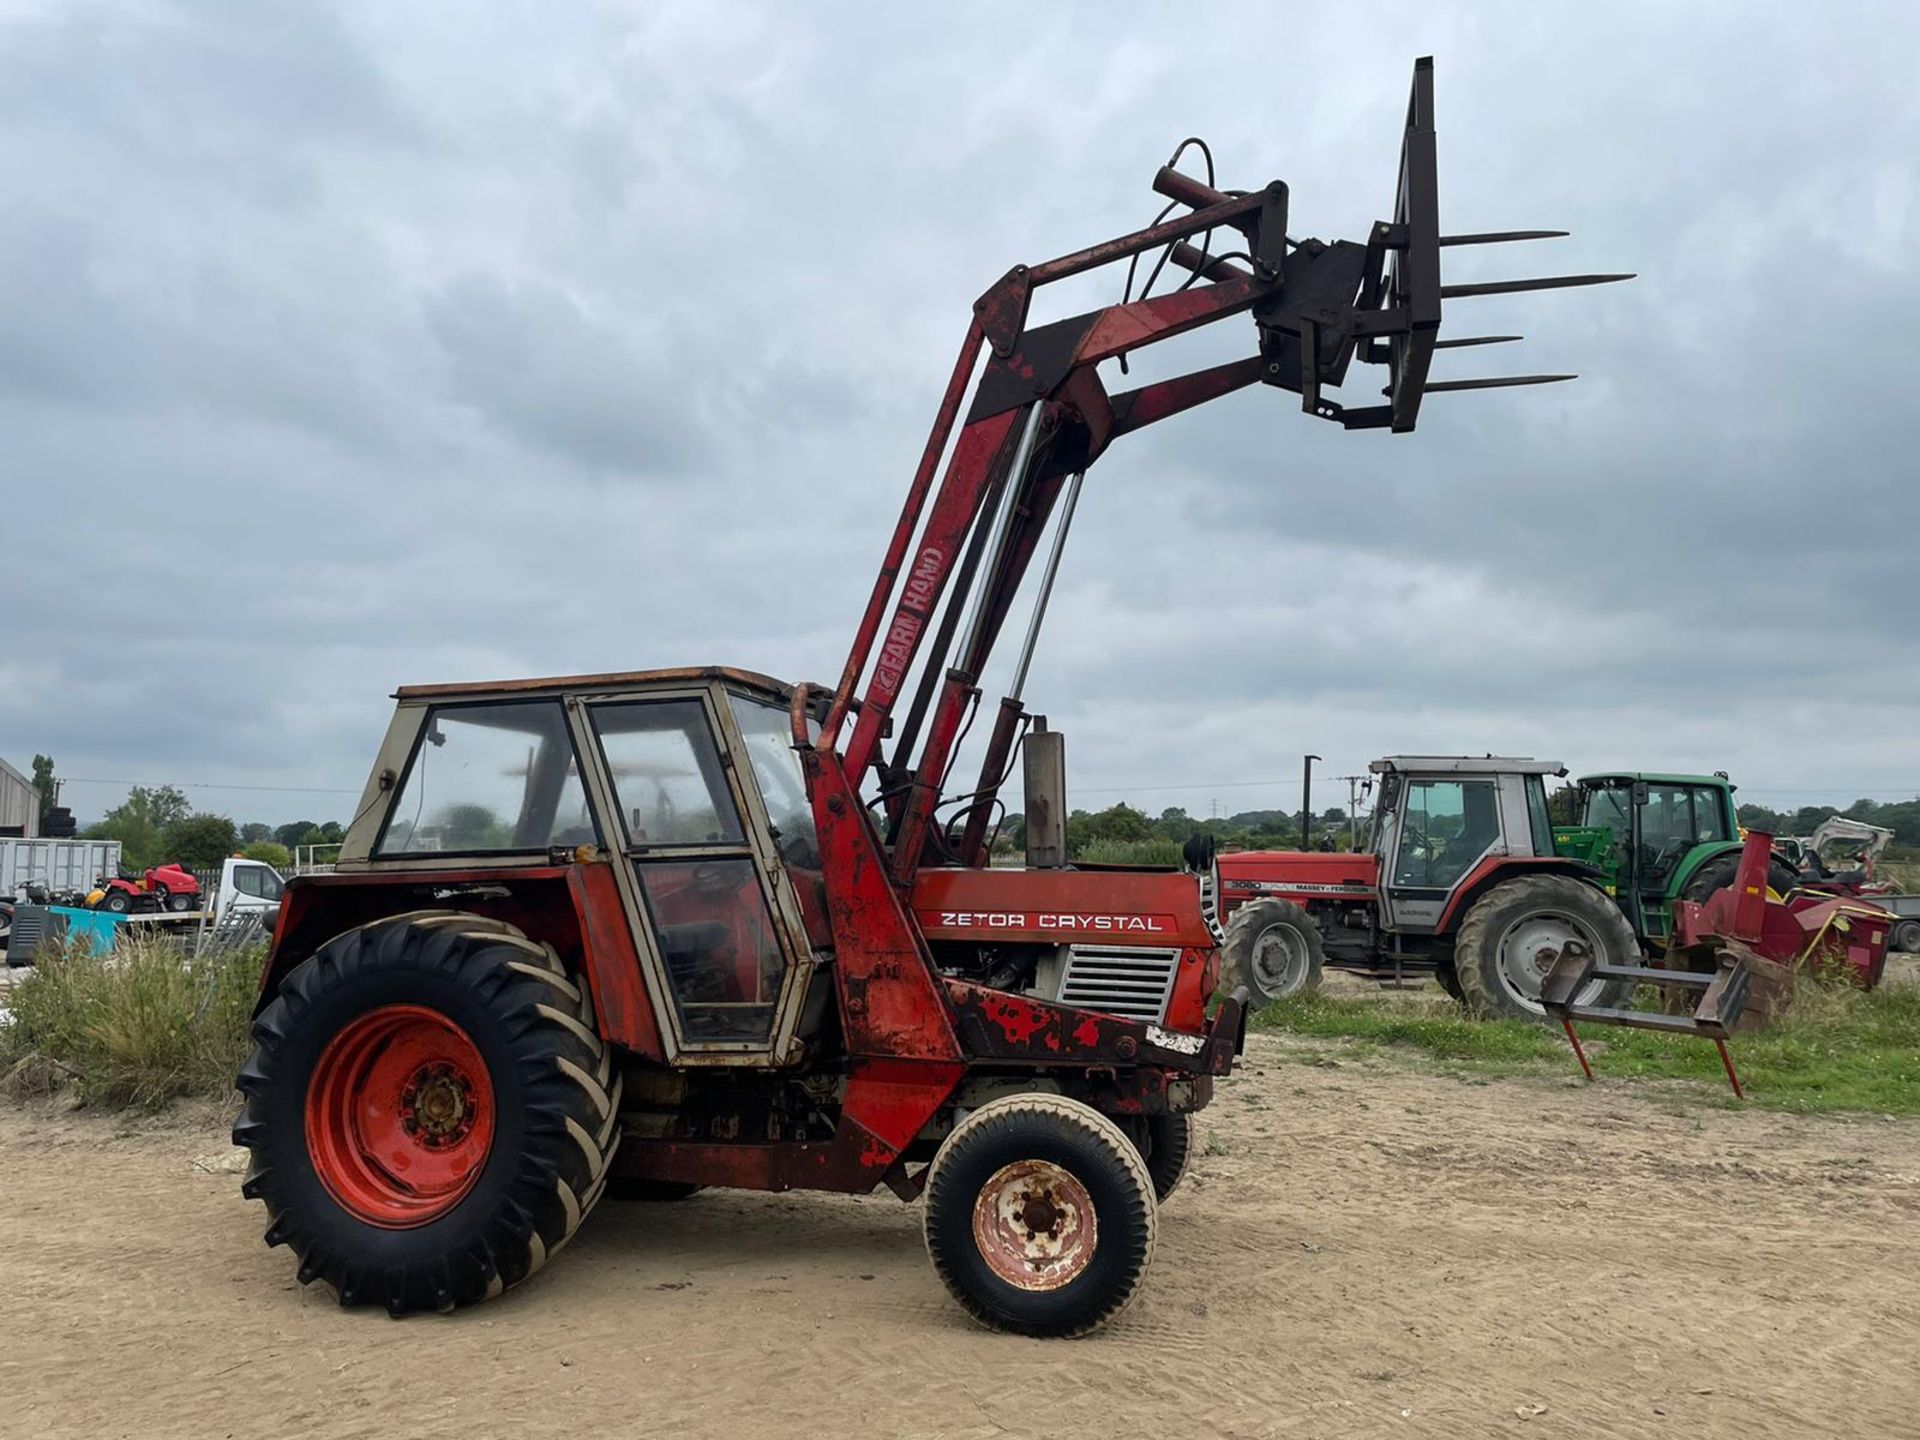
[437,1106]
[1278,959]
[1034,1225]
[1528,949]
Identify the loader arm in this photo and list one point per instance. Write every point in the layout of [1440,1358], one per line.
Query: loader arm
[1041,414]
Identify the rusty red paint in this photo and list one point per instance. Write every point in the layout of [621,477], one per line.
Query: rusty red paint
[890,1004]
[611,963]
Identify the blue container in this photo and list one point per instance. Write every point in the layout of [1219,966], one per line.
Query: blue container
[96,928]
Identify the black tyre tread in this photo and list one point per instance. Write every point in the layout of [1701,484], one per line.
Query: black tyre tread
[1482,993]
[1904,937]
[570,1105]
[1066,1112]
[1718,873]
[1170,1153]
[1245,927]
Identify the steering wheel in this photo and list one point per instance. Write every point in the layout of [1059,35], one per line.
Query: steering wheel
[1669,855]
[1413,838]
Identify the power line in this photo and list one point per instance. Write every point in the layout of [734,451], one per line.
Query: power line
[210,785]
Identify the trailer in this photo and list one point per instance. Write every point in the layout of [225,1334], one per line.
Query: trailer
[58,866]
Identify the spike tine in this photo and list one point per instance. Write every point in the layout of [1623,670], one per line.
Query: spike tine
[1467,340]
[1496,382]
[1501,237]
[1510,287]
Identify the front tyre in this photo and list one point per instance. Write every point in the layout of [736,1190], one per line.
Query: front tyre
[1513,933]
[1169,1148]
[1273,948]
[430,1112]
[1040,1216]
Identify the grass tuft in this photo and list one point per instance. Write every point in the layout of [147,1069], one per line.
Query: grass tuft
[1837,1048]
[141,1026]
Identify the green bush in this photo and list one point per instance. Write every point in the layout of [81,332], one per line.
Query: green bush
[1131,852]
[140,1026]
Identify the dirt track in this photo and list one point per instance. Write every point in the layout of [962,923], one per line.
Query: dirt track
[1378,1252]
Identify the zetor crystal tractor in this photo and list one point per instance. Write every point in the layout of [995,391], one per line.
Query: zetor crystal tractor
[634,935]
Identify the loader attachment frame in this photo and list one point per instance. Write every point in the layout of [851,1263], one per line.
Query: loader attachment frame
[1041,414]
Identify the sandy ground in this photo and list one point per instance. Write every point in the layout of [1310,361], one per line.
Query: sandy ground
[1369,1250]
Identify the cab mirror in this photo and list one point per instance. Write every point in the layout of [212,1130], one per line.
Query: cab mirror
[1639,792]
[1389,793]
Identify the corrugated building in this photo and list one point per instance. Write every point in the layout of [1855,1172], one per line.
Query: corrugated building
[19,803]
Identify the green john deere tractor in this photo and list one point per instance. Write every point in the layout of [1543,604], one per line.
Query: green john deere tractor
[1658,839]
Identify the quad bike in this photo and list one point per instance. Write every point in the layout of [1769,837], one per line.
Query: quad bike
[795,969]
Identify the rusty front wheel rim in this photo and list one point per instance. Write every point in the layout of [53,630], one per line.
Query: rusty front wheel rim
[1034,1225]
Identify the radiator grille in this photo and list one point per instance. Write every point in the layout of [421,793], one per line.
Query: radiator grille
[1120,981]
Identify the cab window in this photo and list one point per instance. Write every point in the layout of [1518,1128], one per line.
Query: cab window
[489,778]
[257,881]
[666,772]
[767,731]
[1445,826]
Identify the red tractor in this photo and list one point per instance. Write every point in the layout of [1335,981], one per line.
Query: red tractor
[1461,881]
[163,887]
[639,934]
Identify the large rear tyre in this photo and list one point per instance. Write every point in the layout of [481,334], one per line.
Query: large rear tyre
[1513,933]
[178,904]
[1040,1216]
[1905,937]
[117,902]
[430,1111]
[1273,948]
[1718,873]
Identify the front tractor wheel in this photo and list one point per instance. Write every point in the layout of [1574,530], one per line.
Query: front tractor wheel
[430,1111]
[1040,1216]
[1273,948]
[1514,932]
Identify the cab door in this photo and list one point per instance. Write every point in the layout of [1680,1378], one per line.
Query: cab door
[1440,829]
[696,874]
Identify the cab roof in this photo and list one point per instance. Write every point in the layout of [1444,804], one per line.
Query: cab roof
[1630,777]
[609,680]
[1468,765]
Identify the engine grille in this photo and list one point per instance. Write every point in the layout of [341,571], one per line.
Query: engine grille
[1120,980]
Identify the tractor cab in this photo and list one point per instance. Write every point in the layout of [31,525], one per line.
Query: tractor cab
[1441,819]
[682,785]
[1657,838]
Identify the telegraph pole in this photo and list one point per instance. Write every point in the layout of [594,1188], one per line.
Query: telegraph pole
[1357,786]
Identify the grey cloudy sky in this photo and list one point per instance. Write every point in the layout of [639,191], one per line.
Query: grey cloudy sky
[348,345]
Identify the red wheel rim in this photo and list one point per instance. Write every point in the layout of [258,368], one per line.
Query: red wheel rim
[400,1116]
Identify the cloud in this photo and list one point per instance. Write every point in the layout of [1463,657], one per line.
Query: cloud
[347,345]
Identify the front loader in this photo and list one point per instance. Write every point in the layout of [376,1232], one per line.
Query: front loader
[641,933]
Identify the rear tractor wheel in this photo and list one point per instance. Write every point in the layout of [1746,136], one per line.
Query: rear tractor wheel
[430,1111]
[1513,933]
[1273,948]
[1040,1216]
[1718,873]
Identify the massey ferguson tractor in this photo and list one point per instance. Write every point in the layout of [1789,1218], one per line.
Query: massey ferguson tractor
[639,934]
[1462,882]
